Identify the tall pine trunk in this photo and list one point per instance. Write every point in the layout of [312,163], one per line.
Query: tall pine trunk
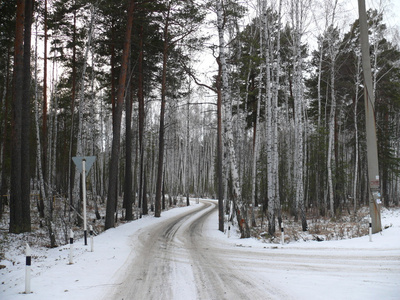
[128,156]
[141,118]
[162,121]
[115,148]
[20,220]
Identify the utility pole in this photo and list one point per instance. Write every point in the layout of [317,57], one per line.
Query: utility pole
[370,126]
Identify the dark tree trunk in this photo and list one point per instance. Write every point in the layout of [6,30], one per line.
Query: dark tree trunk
[162,113]
[115,148]
[112,62]
[5,145]
[15,191]
[20,220]
[163,192]
[141,119]
[128,157]
[26,117]
[145,209]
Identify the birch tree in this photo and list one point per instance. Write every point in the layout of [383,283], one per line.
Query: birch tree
[80,151]
[333,49]
[298,9]
[240,208]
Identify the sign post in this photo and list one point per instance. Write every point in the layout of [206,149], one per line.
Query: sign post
[28,270]
[84,199]
[84,163]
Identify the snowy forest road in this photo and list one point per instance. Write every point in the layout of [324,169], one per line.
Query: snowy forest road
[179,259]
[176,261]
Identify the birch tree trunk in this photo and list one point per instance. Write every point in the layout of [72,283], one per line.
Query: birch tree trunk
[220,171]
[255,135]
[44,116]
[241,211]
[331,140]
[187,153]
[79,148]
[333,51]
[275,150]
[297,18]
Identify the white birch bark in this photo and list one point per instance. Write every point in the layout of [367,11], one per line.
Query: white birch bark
[297,18]
[331,141]
[241,212]
[275,162]
[269,112]
[321,49]
[79,147]
[333,51]
[187,147]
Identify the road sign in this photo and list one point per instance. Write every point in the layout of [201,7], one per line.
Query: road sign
[89,162]
[84,163]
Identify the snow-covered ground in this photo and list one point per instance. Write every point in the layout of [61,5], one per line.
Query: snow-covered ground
[345,269]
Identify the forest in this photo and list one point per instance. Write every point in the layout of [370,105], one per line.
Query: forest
[259,104]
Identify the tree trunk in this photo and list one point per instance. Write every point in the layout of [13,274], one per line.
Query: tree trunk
[187,181]
[128,156]
[298,114]
[162,115]
[141,117]
[20,220]
[275,150]
[5,137]
[44,115]
[115,149]
[43,194]
[241,211]
[219,154]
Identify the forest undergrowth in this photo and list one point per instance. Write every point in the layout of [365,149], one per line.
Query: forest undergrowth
[320,228]
[39,236]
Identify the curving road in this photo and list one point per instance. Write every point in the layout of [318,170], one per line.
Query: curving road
[178,259]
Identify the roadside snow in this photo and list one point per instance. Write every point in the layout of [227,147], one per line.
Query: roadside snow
[89,277]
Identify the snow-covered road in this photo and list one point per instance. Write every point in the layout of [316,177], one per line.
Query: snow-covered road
[184,258]
[182,255]
[177,260]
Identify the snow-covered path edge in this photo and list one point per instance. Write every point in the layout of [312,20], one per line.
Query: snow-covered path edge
[89,276]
